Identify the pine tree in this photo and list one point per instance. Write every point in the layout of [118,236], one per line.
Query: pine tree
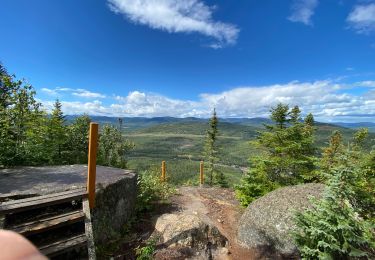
[333,228]
[333,151]
[78,140]
[57,133]
[19,112]
[286,155]
[210,149]
[113,147]
[279,115]
[309,120]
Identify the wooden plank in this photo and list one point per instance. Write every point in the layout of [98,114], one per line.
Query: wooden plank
[88,230]
[44,224]
[43,201]
[51,195]
[91,167]
[63,245]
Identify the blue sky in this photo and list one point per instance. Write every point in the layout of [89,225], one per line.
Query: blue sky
[182,58]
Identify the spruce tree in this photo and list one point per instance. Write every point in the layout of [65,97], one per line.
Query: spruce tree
[309,120]
[286,155]
[333,228]
[113,147]
[57,133]
[78,140]
[210,148]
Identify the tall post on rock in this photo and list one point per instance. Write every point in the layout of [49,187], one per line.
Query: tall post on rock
[163,171]
[201,173]
[91,172]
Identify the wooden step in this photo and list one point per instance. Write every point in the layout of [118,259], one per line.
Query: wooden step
[48,223]
[41,201]
[64,245]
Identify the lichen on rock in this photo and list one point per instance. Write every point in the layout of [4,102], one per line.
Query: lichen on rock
[268,222]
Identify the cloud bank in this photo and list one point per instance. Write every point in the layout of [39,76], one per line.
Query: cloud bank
[327,100]
[174,16]
[302,11]
[362,18]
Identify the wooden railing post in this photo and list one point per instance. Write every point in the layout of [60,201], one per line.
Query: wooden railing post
[201,174]
[163,171]
[91,172]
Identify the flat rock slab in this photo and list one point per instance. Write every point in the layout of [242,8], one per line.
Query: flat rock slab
[50,179]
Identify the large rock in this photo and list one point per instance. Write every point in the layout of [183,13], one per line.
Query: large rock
[267,223]
[190,231]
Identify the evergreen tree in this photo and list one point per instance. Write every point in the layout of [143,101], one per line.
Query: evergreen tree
[333,151]
[57,134]
[286,155]
[113,147]
[333,227]
[279,115]
[78,140]
[19,115]
[210,150]
[309,120]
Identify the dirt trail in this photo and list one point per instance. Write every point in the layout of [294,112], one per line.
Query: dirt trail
[220,208]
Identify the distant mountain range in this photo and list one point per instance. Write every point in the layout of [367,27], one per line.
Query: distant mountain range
[135,123]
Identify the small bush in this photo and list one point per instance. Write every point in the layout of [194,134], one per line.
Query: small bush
[151,189]
[146,252]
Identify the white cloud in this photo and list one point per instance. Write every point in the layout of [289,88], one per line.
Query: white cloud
[76,108]
[87,94]
[176,16]
[362,18]
[50,92]
[303,10]
[327,100]
[59,91]
[367,84]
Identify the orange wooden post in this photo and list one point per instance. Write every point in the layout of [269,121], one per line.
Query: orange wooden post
[163,171]
[201,174]
[91,172]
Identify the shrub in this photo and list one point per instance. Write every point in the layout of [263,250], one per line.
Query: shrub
[151,189]
[333,228]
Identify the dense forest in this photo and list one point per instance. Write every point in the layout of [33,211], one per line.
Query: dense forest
[30,136]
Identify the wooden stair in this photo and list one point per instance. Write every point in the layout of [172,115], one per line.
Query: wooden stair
[56,223]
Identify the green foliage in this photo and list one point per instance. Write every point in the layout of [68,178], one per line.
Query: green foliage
[336,154]
[113,147]
[56,133]
[28,136]
[20,117]
[332,152]
[254,184]
[151,190]
[183,171]
[77,140]
[146,252]
[210,152]
[334,228]
[286,155]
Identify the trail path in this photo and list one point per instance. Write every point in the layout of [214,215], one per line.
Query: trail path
[220,208]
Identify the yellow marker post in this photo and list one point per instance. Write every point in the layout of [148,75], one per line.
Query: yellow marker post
[91,172]
[163,171]
[201,174]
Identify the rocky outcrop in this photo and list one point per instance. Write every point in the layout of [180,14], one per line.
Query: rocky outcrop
[268,222]
[188,232]
[114,205]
